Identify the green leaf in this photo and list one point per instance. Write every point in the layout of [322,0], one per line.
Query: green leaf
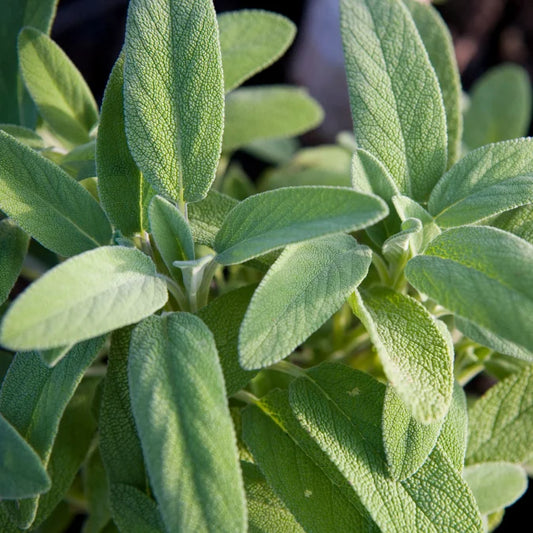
[501,426]
[223,316]
[499,108]
[482,274]
[174,95]
[271,220]
[80,161]
[415,354]
[496,485]
[485,182]
[341,410]
[134,511]
[96,490]
[179,405]
[54,355]
[14,245]
[22,474]
[307,284]
[250,41]
[439,46]
[120,184]
[254,113]
[394,93]
[170,231]
[47,203]
[24,135]
[266,512]
[88,295]
[36,13]
[273,151]
[518,221]
[59,91]
[299,472]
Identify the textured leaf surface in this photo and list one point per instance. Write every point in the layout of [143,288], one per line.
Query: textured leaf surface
[59,91]
[180,410]
[254,113]
[341,409]
[80,162]
[24,135]
[88,295]
[518,221]
[14,245]
[482,274]
[271,220]
[174,95]
[416,356]
[96,490]
[501,425]
[47,203]
[394,93]
[250,41]
[307,284]
[499,107]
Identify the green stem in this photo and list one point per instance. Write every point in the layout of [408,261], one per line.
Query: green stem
[176,291]
[246,397]
[382,269]
[288,368]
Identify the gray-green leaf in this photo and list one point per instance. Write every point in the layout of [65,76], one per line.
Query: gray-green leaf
[14,245]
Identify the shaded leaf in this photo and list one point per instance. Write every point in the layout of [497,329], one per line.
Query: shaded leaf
[14,245]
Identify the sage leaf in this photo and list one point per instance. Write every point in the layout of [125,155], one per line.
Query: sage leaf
[52,356]
[499,107]
[24,135]
[464,263]
[394,93]
[496,485]
[180,410]
[341,410]
[254,113]
[85,296]
[306,285]
[80,162]
[415,355]
[96,490]
[501,427]
[174,95]
[22,473]
[59,91]
[14,245]
[273,219]
[121,187]
[518,221]
[63,215]
[250,41]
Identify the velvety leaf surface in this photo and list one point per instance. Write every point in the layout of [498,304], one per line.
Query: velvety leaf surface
[250,41]
[394,93]
[80,162]
[180,410]
[14,245]
[96,490]
[518,221]
[271,220]
[88,295]
[174,95]
[24,135]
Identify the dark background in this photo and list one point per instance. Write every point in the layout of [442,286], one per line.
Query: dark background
[485,33]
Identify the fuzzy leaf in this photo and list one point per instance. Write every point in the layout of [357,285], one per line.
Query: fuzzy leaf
[394,93]
[271,220]
[518,221]
[174,95]
[482,274]
[24,135]
[14,245]
[47,203]
[96,490]
[80,162]
[250,41]
[180,410]
[88,295]
[307,284]
[254,113]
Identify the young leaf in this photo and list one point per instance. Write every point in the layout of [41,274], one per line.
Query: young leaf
[341,410]
[174,95]
[499,107]
[250,41]
[22,474]
[496,485]
[223,316]
[14,245]
[254,113]
[487,181]
[63,215]
[482,274]
[439,46]
[394,93]
[501,427]
[271,220]
[59,91]
[88,295]
[416,356]
[307,284]
[179,405]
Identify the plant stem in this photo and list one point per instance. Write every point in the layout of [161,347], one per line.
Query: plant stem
[246,397]
[288,368]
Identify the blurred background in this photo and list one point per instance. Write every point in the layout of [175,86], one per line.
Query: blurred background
[485,33]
